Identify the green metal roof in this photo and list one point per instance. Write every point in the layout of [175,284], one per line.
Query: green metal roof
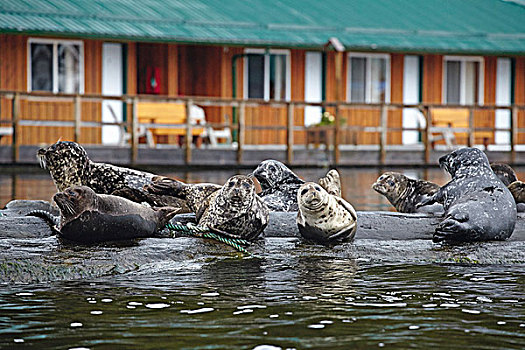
[447,26]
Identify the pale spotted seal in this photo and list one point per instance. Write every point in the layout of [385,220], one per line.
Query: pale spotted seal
[88,217]
[196,196]
[405,193]
[235,210]
[279,185]
[70,165]
[478,206]
[323,217]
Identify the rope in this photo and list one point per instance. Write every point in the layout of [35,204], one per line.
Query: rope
[204,232]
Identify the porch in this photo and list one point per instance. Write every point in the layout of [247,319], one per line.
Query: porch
[357,135]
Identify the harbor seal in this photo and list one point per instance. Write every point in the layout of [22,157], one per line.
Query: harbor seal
[196,196]
[235,210]
[478,206]
[69,165]
[88,217]
[323,217]
[504,172]
[405,193]
[279,185]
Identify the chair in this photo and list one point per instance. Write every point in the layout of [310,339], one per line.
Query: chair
[211,133]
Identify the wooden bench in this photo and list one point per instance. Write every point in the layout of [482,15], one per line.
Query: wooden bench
[165,113]
[444,120]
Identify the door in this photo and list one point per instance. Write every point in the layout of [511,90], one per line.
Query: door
[111,86]
[503,91]
[412,117]
[313,89]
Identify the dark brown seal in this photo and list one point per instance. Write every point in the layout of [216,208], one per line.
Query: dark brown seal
[504,172]
[88,217]
[236,210]
[196,196]
[70,165]
[478,206]
[405,193]
[325,217]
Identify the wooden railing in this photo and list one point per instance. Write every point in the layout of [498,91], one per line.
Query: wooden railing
[240,125]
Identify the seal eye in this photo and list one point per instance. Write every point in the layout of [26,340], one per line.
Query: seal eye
[71,193]
[317,188]
[272,168]
[391,183]
[230,184]
[246,185]
[304,191]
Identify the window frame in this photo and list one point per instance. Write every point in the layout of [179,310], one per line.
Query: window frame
[55,43]
[266,54]
[462,78]
[368,82]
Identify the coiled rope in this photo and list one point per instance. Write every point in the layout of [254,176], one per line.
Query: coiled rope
[196,231]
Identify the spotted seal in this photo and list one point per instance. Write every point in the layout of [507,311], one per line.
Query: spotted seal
[88,217]
[70,165]
[405,193]
[325,217]
[235,210]
[196,196]
[504,172]
[279,185]
[478,206]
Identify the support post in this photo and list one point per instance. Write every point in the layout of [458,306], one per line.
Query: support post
[337,136]
[471,138]
[15,148]
[78,118]
[134,131]
[289,134]
[189,136]
[382,137]
[513,134]
[241,134]
[428,117]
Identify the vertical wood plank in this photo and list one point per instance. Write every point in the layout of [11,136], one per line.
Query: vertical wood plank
[77,117]
[189,137]
[134,129]
[241,135]
[16,115]
[382,138]
[289,134]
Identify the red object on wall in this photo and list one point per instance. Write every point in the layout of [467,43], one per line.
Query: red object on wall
[152,80]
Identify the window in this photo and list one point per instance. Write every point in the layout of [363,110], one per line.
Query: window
[267,75]
[56,66]
[369,78]
[463,80]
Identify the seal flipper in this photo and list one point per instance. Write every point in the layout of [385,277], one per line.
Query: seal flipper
[331,183]
[453,228]
[162,185]
[165,214]
[50,219]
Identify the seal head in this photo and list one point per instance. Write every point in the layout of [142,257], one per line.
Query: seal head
[279,185]
[58,159]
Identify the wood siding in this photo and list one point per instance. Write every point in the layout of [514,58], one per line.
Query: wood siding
[193,70]
[13,61]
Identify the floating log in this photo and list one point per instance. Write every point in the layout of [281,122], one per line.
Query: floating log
[29,252]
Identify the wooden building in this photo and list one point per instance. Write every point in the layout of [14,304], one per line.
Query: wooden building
[469,52]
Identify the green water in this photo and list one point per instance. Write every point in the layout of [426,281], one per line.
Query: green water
[297,303]
[164,298]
